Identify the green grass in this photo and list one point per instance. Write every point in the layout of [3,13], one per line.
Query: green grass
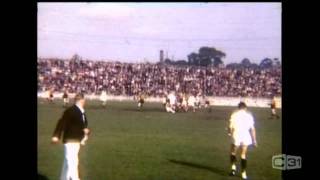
[128,144]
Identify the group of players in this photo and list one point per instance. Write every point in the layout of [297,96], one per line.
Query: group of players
[183,102]
[172,102]
[179,103]
[65,98]
[240,126]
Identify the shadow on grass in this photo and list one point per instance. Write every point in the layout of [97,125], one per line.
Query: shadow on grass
[200,166]
[42,177]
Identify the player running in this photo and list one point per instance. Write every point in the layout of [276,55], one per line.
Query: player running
[185,103]
[197,101]
[273,109]
[103,98]
[50,96]
[140,101]
[206,103]
[65,98]
[192,102]
[179,102]
[242,132]
[171,106]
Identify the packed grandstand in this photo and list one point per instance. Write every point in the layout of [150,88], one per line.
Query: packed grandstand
[130,79]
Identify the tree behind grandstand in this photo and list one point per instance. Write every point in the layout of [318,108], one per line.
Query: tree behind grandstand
[206,56]
[76,57]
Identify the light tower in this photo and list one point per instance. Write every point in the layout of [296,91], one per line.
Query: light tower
[161,56]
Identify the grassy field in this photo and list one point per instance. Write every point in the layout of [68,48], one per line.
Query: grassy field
[128,144]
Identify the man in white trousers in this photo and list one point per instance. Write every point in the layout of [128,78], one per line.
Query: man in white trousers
[73,128]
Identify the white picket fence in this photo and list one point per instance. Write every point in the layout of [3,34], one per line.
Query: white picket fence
[215,101]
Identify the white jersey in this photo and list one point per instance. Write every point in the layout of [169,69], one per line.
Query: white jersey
[48,94]
[191,101]
[164,100]
[241,122]
[202,101]
[103,96]
[184,101]
[197,100]
[172,99]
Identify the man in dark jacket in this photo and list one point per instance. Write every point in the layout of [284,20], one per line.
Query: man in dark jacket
[73,129]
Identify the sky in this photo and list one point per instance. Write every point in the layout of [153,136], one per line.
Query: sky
[136,32]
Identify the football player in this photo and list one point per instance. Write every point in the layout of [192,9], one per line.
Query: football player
[197,101]
[50,96]
[140,101]
[171,106]
[179,101]
[103,98]
[206,103]
[192,102]
[65,99]
[243,134]
[273,109]
[164,100]
[185,103]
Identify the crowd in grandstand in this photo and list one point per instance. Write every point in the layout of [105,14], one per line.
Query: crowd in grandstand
[154,79]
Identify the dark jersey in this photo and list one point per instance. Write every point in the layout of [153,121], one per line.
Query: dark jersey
[65,95]
[141,100]
[273,105]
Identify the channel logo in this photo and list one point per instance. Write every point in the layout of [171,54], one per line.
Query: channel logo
[286,162]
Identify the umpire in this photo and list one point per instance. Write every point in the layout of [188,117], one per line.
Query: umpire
[72,127]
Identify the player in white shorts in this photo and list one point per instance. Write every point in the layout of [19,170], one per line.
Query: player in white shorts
[103,98]
[242,132]
[185,103]
[141,101]
[197,101]
[169,108]
[172,103]
[50,95]
[192,102]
